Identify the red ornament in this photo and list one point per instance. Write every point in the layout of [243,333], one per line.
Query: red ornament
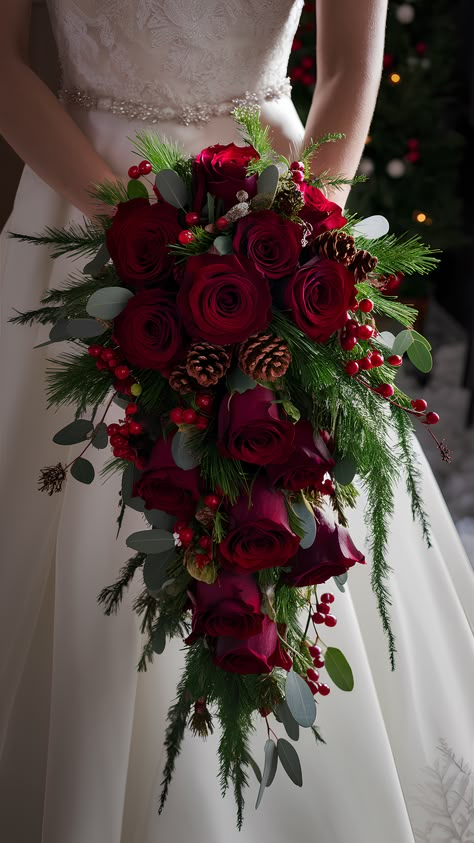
[315,651]
[95,350]
[212,501]
[124,430]
[192,218]
[318,661]
[351,327]
[222,223]
[186,236]
[412,156]
[118,441]
[176,415]
[365,362]
[395,360]
[323,608]
[202,423]
[419,404]
[106,354]
[317,617]
[327,597]
[189,416]
[312,674]
[313,687]
[365,332]
[330,620]
[121,372]
[366,305]
[351,368]
[432,418]
[205,542]
[144,168]
[133,172]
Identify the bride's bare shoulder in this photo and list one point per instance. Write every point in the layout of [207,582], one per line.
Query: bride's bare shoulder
[14,31]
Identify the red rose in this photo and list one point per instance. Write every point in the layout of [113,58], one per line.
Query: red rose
[307,464]
[259,535]
[222,172]
[165,486]
[258,654]
[221,302]
[138,241]
[230,606]
[332,553]
[250,428]
[272,243]
[319,212]
[150,331]
[318,296]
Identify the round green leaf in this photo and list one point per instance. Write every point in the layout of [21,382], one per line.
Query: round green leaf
[182,454]
[129,478]
[157,518]
[95,265]
[269,769]
[285,716]
[60,331]
[83,470]
[268,180]
[253,764]
[238,381]
[151,541]
[420,356]
[344,471]
[76,431]
[223,244]
[136,189]
[402,342]
[308,522]
[155,569]
[108,302]
[100,439]
[339,669]
[159,641]
[172,188]
[340,580]
[420,338]
[300,700]
[290,761]
[84,328]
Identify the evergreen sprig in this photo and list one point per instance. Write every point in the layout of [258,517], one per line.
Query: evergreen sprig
[78,239]
[202,242]
[404,426]
[109,192]
[162,154]
[405,254]
[256,135]
[75,379]
[389,306]
[112,595]
[338,182]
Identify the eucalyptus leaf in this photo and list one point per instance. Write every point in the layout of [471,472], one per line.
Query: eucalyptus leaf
[223,244]
[269,769]
[344,471]
[211,208]
[155,569]
[238,381]
[182,455]
[76,431]
[129,478]
[268,181]
[95,265]
[60,331]
[121,402]
[402,342]
[158,641]
[340,580]
[290,761]
[83,470]
[386,338]
[420,338]
[291,726]
[172,188]
[372,227]
[300,700]
[308,521]
[151,541]
[253,764]
[157,518]
[339,669]
[136,189]
[84,328]
[420,356]
[100,439]
[108,302]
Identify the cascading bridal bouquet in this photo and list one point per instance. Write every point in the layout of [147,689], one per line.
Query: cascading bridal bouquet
[231,318]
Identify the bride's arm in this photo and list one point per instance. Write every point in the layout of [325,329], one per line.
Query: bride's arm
[349,49]
[36,125]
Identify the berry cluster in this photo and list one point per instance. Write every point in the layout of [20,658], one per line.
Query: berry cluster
[112,360]
[143,169]
[312,676]
[121,433]
[188,415]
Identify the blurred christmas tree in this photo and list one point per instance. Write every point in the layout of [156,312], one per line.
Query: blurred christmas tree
[413,152]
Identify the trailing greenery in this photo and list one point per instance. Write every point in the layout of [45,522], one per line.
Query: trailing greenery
[162,154]
[404,427]
[75,379]
[77,239]
[69,300]
[112,595]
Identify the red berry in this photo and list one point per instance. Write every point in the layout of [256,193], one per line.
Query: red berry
[112,429]
[204,401]
[124,430]
[176,415]
[113,362]
[297,176]
[212,501]
[327,597]
[318,617]
[101,365]
[121,372]
[202,423]
[315,651]
[95,350]
[353,304]
[312,674]
[180,525]
[376,359]
[330,620]
[144,168]
[186,236]
[323,608]
[324,689]
[119,452]
[395,360]
[365,332]
[351,327]
[366,305]
[365,362]
[192,218]
[205,542]
[386,390]
[222,223]
[133,172]
[140,463]
[131,409]
[348,342]
[296,165]
[351,367]
[189,416]
[135,428]
[432,418]
[186,535]
[328,487]
[313,687]
[118,441]
[106,354]
[318,661]
[419,404]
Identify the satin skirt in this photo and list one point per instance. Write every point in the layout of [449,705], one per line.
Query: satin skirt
[81,732]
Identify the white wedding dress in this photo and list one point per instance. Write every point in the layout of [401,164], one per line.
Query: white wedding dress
[82,731]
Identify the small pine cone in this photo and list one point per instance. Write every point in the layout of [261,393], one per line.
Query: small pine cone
[181,381]
[264,357]
[289,200]
[337,246]
[362,265]
[206,516]
[52,478]
[207,363]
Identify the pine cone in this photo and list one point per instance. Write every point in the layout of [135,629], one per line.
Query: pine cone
[206,516]
[288,200]
[362,265]
[264,357]
[337,246]
[207,363]
[181,381]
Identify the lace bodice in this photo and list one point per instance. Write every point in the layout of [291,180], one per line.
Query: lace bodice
[174,53]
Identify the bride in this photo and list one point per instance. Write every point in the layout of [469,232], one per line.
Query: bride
[81,731]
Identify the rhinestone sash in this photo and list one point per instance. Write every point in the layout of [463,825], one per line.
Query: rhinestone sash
[196,113]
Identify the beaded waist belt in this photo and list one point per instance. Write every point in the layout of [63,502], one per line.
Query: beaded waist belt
[186,114]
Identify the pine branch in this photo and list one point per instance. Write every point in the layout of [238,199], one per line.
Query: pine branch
[338,182]
[254,134]
[163,154]
[203,240]
[222,473]
[177,719]
[404,427]
[41,316]
[76,380]
[77,239]
[388,305]
[112,595]
[405,254]
[109,192]
[146,607]
[315,145]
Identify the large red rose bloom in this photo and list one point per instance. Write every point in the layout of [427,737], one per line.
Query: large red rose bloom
[319,212]
[150,331]
[221,170]
[318,296]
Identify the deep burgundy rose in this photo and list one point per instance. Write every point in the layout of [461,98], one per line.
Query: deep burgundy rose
[318,296]
[319,212]
[222,302]
[222,172]
[259,535]
[258,654]
[250,428]
[271,242]
[332,553]
[165,486]
[150,331]
[307,464]
[138,241]
[230,606]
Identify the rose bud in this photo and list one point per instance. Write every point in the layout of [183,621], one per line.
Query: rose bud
[250,428]
[331,554]
[258,654]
